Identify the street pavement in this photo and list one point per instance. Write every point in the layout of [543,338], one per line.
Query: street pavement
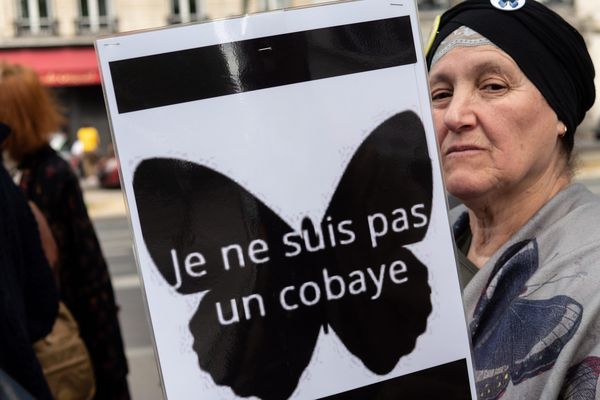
[108,212]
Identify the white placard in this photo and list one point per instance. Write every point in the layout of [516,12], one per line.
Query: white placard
[243,143]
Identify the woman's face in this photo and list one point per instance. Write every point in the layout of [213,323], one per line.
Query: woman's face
[496,132]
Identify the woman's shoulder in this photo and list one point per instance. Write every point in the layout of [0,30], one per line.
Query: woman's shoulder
[47,176]
[569,235]
[578,214]
[52,165]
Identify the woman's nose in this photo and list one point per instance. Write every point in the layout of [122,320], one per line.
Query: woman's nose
[459,114]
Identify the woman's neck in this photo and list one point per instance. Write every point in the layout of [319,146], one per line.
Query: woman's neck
[493,221]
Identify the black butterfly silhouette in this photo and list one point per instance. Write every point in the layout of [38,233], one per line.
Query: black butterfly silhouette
[262,349]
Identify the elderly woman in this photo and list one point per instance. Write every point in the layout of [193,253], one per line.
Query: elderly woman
[510,82]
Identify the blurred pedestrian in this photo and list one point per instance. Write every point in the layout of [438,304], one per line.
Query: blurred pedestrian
[108,169]
[89,138]
[28,294]
[76,158]
[47,179]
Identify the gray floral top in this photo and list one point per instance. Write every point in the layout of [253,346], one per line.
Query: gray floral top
[534,308]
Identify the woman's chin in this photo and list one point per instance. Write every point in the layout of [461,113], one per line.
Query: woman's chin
[466,189]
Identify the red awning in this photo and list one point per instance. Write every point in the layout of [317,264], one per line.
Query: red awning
[66,66]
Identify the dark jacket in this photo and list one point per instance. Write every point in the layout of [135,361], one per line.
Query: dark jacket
[84,281]
[28,294]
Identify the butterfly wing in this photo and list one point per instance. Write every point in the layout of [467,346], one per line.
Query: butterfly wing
[541,329]
[515,338]
[524,342]
[243,337]
[386,191]
[581,380]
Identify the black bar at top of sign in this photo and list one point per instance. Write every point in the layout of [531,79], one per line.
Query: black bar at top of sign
[262,63]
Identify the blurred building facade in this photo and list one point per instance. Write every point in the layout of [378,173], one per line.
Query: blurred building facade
[56,37]
[587,15]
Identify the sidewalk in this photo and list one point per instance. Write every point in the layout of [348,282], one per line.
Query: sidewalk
[104,203]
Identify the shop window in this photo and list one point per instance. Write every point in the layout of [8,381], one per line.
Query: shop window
[183,11]
[95,17]
[272,4]
[35,18]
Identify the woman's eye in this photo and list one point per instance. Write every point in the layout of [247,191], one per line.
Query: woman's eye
[493,87]
[441,95]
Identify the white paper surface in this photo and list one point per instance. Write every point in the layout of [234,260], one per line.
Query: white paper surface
[270,141]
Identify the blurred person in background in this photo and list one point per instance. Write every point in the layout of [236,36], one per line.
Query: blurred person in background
[49,182]
[89,138]
[28,293]
[108,169]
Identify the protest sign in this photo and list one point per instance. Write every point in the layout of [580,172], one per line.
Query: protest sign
[286,201]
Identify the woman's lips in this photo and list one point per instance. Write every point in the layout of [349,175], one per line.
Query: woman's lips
[462,149]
